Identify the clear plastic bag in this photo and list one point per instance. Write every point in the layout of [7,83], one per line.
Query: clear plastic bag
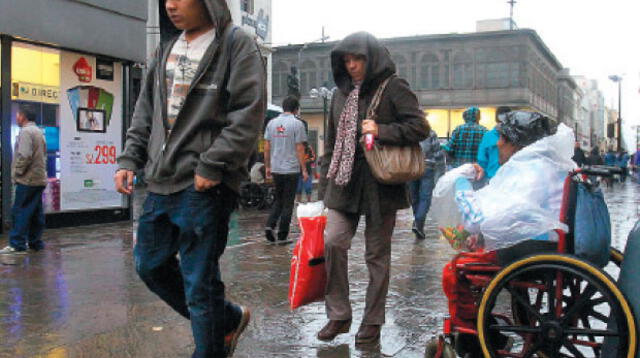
[443,208]
[523,199]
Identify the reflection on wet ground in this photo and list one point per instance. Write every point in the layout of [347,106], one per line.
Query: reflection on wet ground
[82,298]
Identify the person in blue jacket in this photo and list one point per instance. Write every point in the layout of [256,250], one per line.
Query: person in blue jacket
[488,150]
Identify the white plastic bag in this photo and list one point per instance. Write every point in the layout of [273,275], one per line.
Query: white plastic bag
[310,210]
[443,208]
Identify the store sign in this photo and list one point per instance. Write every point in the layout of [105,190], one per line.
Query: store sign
[83,70]
[260,23]
[23,91]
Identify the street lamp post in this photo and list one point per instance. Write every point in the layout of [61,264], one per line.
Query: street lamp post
[304,46]
[325,94]
[618,79]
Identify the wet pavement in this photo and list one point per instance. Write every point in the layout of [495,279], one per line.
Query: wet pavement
[81,297]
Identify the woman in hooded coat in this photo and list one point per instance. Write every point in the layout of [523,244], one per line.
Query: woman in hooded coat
[360,65]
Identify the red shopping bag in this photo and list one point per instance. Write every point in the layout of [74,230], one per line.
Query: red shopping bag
[308,275]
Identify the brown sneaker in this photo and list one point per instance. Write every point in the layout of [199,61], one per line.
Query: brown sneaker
[231,339]
[334,328]
[368,333]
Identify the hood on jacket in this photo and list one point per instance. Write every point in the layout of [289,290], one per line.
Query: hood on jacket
[218,11]
[471,115]
[379,63]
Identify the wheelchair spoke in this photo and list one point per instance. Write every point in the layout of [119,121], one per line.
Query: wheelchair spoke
[516,329]
[524,302]
[551,291]
[591,332]
[580,303]
[572,348]
[598,315]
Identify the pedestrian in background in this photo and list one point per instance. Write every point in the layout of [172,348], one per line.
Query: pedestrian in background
[594,157]
[285,161]
[635,163]
[610,158]
[306,186]
[578,155]
[622,162]
[488,154]
[466,138]
[360,64]
[28,174]
[195,125]
[422,188]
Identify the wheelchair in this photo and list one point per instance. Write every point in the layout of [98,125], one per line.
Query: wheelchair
[547,304]
[257,196]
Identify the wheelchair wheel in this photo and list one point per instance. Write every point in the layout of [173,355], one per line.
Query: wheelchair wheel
[251,195]
[438,348]
[555,306]
[269,193]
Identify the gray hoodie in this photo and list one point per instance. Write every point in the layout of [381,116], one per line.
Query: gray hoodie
[217,127]
[30,157]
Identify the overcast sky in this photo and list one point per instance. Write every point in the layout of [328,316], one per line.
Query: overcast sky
[592,38]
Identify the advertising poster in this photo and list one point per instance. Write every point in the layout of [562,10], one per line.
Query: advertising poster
[90,134]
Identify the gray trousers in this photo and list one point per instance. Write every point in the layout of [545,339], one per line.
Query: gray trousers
[341,227]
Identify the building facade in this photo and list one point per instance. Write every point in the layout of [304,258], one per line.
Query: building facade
[448,73]
[591,127]
[74,62]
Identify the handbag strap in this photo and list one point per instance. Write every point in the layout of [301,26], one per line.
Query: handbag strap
[372,111]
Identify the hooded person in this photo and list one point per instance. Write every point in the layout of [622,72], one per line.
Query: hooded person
[465,139]
[360,64]
[195,124]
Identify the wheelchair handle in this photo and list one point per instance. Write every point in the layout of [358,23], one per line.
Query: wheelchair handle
[599,170]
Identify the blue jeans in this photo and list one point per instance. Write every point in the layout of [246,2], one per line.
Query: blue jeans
[307,186]
[28,218]
[194,224]
[420,191]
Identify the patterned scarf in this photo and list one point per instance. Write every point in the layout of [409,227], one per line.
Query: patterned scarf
[344,149]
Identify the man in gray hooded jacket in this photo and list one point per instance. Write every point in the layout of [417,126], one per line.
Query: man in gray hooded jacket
[195,124]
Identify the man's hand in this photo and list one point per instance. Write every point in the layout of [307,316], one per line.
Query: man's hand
[305,176]
[267,172]
[203,184]
[479,172]
[370,127]
[124,181]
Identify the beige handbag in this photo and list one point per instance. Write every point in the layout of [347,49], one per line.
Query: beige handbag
[392,164]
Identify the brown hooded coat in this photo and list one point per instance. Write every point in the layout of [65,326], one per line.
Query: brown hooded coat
[400,122]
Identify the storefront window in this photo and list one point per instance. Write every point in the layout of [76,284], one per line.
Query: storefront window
[35,82]
[78,104]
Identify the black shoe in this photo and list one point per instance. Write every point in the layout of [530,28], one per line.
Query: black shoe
[231,339]
[283,236]
[419,233]
[268,232]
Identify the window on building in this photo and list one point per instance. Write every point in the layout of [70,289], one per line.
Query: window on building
[462,70]
[446,75]
[495,68]
[247,6]
[308,77]
[429,72]
[279,79]
[402,66]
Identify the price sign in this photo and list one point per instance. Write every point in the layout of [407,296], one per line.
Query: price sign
[102,154]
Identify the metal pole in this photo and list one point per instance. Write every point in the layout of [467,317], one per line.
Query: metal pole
[324,119]
[5,127]
[619,113]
